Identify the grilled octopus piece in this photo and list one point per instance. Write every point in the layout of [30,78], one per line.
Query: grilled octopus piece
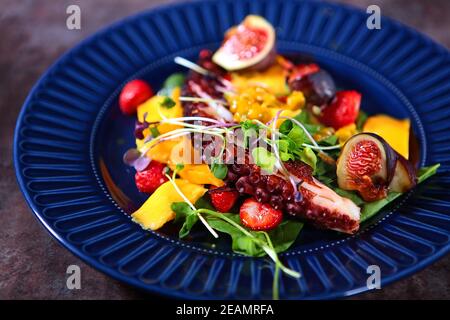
[318,204]
[321,205]
[205,86]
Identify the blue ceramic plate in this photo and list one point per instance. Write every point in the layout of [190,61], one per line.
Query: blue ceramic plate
[70,139]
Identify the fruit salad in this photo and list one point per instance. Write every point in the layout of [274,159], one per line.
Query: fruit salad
[251,145]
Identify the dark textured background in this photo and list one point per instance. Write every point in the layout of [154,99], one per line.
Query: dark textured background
[34,35]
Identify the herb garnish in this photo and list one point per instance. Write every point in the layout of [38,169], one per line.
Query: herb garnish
[168,103]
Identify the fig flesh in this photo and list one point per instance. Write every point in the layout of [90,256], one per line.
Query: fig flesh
[369,165]
[250,45]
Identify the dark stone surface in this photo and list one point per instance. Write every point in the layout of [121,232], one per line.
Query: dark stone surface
[33,35]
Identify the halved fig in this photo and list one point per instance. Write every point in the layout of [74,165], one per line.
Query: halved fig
[369,165]
[405,176]
[250,45]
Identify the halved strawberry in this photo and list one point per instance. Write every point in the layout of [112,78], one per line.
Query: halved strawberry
[223,198]
[343,110]
[259,216]
[302,70]
[151,178]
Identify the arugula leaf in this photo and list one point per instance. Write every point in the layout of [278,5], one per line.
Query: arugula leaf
[264,159]
[154,131]
[168,103]
[330,140]
[298,136]
[305,118]
[309,157]
[361,119]
[326,173]
[285,234]
[285,127]
[204,203]
[183,212]
[371,208]
[244,241]
[241,243]
[282,237]
[426,172]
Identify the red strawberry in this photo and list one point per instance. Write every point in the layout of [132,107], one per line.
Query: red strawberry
[133,94]
[343,110]
[302,70]
[223,198]
[259,216]
[151,178]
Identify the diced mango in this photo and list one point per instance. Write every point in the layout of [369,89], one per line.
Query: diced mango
[346,133]
[394,131]
[199,174]
[295,100]
[273,78]
[155,112]
[183,153]
[156,211]
[162,151]
[193,171]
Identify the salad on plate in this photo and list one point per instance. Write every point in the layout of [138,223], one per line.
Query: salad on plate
[251,145]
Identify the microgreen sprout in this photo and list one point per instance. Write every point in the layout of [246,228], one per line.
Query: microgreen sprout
[190,65]
[207,100]
[284,171]
[266,245]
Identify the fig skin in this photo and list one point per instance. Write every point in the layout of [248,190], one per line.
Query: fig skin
[405,176]
[265,63]
[393,171]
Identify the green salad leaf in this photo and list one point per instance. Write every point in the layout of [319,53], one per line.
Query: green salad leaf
[309,157]
[426,172]
[329,141]
[244,241]
[361,119]
[184,214]
[305,118]
[326,173]
[369,209]
[264,159]
[282,237]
